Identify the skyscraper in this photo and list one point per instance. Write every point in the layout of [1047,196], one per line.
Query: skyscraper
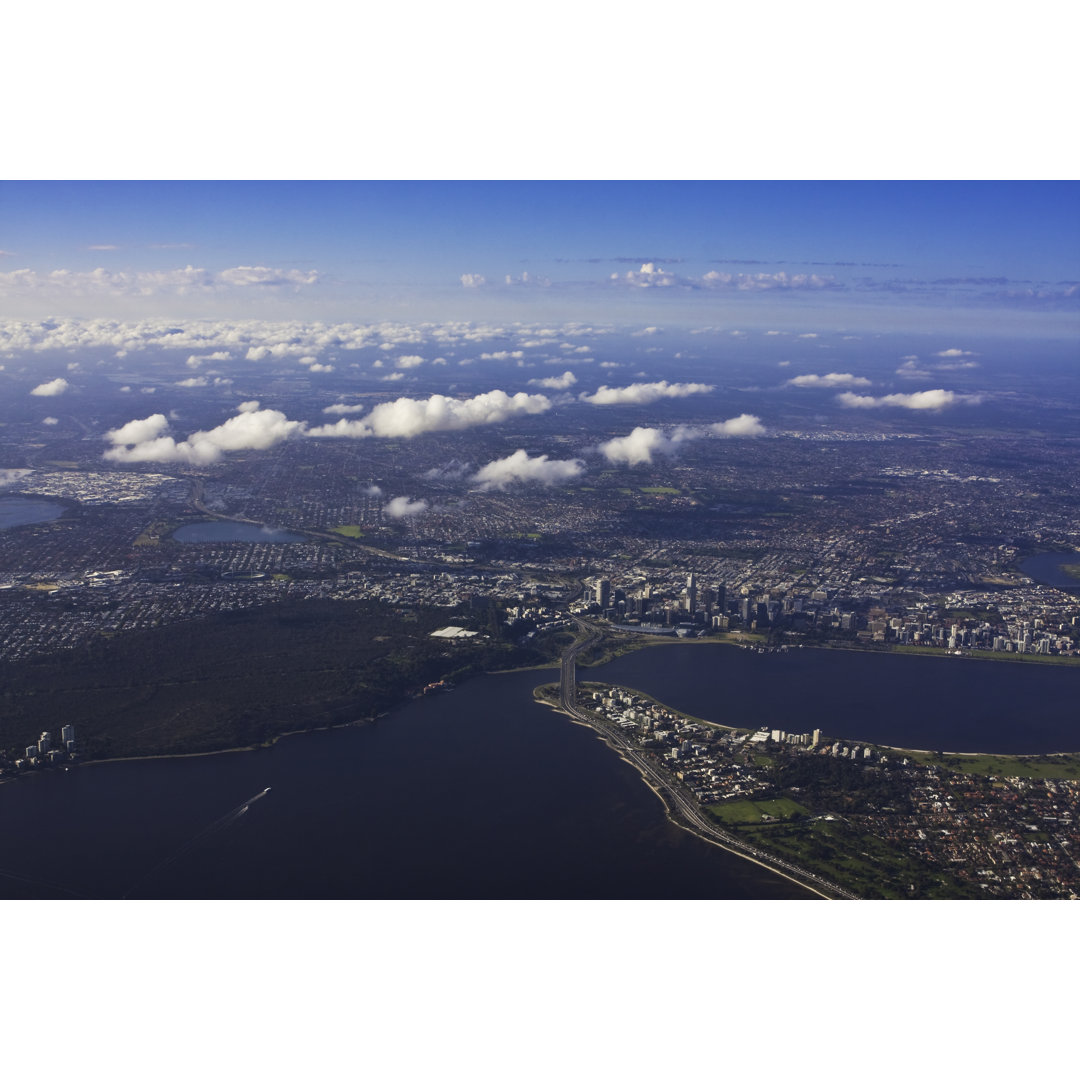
[691,593]
[603,593]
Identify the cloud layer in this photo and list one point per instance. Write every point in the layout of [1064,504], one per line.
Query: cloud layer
[182,282]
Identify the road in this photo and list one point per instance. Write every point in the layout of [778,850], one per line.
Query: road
[682,807]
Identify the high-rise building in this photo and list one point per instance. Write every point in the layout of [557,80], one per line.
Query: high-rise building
[603,593]
[691,593]
[67,734]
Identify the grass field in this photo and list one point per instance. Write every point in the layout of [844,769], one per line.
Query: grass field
[1044,767]
[659,491]
[354,532]
[745,812]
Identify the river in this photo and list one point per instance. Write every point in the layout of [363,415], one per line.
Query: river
[950,703]
[476,794]
[483,794]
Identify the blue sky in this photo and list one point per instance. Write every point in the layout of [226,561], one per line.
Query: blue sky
[896,252]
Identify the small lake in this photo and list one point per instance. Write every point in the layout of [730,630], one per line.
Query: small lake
[18,510]
[234,532]
[1048,568]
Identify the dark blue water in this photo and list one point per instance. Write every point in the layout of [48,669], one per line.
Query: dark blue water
[476,794]
[1046,568]
[234,532]
[483,794]
[947,703]
[18,510]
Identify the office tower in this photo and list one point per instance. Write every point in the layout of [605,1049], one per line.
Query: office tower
[603,593]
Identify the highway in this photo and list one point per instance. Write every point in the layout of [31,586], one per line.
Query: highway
[683,809]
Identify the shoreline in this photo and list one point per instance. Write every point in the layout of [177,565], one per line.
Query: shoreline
[669,815]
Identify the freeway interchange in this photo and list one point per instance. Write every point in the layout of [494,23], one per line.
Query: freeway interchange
[683,809]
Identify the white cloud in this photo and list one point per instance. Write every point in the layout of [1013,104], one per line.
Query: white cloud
[150,282]
[410,361]
[743,424]
[638,447]
[402,506]
[517,354]
[643,393]
[50,389]
[264,275]
[834,378]
[251,429]
[519,467]
[642,443]
[649,276]
[473,281]
[394,376]
[51,421]
[911,370]
[921,400]
[138,431]
[340,409]
[407,417]
[556,382]
[195,380]
[717,279]
[373,491]
[947,353]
